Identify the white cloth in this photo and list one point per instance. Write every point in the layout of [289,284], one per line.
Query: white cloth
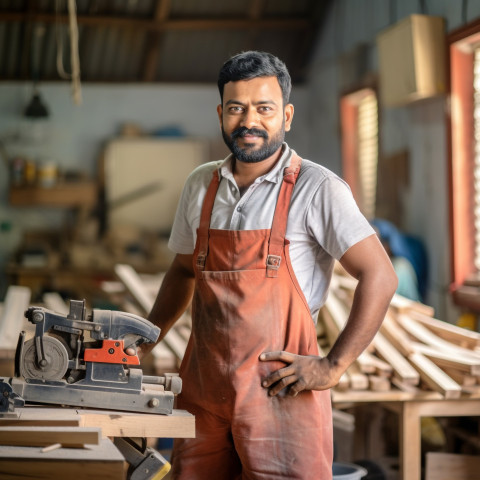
[323,222]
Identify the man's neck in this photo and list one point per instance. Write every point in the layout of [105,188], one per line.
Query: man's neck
[246,173]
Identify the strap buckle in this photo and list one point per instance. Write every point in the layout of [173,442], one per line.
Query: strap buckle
[201,259]
[273,264]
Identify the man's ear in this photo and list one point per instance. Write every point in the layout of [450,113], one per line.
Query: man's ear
[219,112]
[289,110]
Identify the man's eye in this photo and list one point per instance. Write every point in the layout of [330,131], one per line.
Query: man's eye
[265,108]
[235,109]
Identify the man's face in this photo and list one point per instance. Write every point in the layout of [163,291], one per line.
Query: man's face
[253,119]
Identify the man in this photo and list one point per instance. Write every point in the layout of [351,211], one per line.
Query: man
[255,238]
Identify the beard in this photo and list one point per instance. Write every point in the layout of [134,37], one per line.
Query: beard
[249,153]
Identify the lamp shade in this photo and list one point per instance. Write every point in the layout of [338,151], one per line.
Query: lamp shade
[36,108]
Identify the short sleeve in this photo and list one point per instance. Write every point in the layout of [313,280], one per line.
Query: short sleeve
[334,219]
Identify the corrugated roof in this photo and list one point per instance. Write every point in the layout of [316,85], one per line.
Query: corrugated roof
[153,40]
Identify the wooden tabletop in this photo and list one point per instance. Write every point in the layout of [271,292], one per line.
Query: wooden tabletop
[180,424]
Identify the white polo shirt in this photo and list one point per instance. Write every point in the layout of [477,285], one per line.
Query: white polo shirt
[323,221]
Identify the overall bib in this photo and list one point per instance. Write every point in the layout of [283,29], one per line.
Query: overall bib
[248,301]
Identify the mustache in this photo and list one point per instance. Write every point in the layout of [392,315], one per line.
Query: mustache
[242,131]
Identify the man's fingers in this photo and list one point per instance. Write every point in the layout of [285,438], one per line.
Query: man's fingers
[278,355]
[279,386]
[278,376]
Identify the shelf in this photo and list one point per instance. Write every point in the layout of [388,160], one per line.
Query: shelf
[66,194]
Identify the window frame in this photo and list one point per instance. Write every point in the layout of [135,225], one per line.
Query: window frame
[349,115]
[460,133]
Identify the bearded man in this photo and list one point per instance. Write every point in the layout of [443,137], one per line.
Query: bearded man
[256,236]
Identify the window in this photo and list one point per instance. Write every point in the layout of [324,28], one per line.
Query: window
[464,164]
[359,117]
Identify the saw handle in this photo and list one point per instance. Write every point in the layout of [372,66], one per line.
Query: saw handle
[111,351]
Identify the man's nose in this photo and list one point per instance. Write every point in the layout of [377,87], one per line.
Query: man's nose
[250,118]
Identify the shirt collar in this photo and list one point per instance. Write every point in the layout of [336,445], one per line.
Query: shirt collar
[275,175]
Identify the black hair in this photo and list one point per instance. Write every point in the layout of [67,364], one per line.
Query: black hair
[252,64]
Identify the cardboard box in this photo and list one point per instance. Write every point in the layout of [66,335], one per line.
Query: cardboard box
[412,60]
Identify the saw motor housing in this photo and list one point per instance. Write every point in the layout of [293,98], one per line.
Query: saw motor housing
[80,360]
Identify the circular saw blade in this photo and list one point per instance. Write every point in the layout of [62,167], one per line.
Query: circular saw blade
[55,354]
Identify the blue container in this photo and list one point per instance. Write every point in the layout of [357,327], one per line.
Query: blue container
[347,471]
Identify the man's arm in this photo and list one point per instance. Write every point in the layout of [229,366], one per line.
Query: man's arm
[173,297]
[368,262]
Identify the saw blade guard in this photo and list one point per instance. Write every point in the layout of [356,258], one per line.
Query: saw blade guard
[118,325]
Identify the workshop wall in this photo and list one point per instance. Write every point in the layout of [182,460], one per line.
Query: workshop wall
[73,136]
[346,58]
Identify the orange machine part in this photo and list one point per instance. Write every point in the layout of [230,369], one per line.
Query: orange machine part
[112,351]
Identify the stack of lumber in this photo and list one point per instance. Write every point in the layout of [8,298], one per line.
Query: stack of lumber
[169,353]
[50,451]
[413,352]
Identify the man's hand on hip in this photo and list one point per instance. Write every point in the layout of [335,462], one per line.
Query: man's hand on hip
[300,373]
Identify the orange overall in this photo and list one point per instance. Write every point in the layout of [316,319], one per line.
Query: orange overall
[248,301]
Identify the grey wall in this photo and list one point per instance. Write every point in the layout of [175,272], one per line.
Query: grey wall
[345,56]
[74,135]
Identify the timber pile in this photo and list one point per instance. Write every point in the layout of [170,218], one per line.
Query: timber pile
[168,354]
[413,351]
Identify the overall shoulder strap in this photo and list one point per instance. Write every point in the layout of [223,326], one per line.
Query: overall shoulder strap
[206,215]
[280,217]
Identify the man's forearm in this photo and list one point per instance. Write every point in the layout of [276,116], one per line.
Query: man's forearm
[377,281]
[368,310]
[174,295]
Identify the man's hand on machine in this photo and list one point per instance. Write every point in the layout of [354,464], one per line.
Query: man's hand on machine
[300,373]
[141,351]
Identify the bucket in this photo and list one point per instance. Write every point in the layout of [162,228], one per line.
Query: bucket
[347,471]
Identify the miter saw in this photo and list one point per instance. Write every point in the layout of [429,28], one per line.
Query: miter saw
[80,360]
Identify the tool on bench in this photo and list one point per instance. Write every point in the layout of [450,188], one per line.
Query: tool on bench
[145,462]
[80,360]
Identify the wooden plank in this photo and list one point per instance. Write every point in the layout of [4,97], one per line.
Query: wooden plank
[180,424]
[463,379]
[396,335]
[379,384]
[54,301]
[331,328]
[16,302]
[452,333]
[98,461]
[63,194]
[448,466]
[338,311]
[72,437]
[403,386]
[344,382]
[146,299]
[380,367]
[434,377]
[364,361]
[401,367]
[423,334]
[444,358]
[404,305]
[367,396]
[358,380]
[133,282]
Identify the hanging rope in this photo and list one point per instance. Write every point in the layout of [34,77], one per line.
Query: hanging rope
[74,55]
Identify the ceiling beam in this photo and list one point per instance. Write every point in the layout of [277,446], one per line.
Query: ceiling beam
[154,39]
[164,25]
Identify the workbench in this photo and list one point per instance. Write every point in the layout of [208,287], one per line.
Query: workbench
[180,424]
[411,407]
